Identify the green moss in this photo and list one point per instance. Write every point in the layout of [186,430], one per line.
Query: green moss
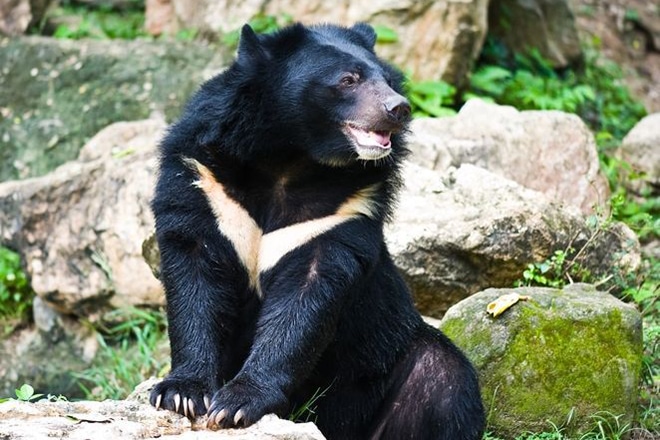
[562,354]
[555,367]
[55,95]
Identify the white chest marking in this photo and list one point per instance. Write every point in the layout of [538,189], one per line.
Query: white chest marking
[259,252]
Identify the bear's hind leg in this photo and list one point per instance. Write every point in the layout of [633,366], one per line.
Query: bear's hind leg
[433,394]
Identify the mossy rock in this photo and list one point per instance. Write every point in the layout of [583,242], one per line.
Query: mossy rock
[56,94]
[559,357]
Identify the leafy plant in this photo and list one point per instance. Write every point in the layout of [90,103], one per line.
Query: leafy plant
[15,293]
[102,22]
[431,98]
[26,393]
[385,35]
[132,345]
[530,84]
[548,273]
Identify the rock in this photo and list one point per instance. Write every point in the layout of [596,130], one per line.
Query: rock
[56,94]
[548,151]
[17,15]
[622,31]
[436,39]
[80,228]
[45,355]
[645,15]
[129,420]
[160,18]
[469,229]
[546,25]
[574,352]
[641,149]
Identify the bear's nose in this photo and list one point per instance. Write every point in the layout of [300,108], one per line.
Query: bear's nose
[398,108]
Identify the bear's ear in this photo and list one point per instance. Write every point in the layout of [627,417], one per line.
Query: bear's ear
[250,49]
[366,33]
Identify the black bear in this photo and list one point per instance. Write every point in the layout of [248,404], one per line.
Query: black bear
[270,203]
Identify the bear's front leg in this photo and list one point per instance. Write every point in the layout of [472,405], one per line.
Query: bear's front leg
[205,289]
[304,294]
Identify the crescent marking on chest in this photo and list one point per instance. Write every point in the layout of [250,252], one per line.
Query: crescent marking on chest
[259,252]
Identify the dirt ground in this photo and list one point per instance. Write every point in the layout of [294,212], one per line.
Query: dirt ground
[629,33]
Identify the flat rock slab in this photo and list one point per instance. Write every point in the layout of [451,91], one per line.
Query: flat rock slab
[128,420]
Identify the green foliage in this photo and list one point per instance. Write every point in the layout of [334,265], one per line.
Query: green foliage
[431,98]
[548,273]
[99,23]
[385,35]
[530,84]
[641,212]
[260,24]
[606,426]
[132,342]
[527,81]
[26,393]
[15,293]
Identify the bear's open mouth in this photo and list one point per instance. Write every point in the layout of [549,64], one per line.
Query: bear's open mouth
[369,138]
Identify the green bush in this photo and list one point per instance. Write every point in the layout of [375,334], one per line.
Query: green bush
[15,293]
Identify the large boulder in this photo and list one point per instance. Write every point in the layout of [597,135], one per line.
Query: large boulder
[436,39]
[548,151]
[56,94]
[468,229]
[641,149]
[555,355]
[80,228]
[17,15]
[130,420]
[545,25]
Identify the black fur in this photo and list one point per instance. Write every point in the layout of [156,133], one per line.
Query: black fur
[331,314]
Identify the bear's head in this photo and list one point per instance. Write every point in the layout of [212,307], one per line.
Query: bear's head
[322,90]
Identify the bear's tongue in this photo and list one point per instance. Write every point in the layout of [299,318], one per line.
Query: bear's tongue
[371,138]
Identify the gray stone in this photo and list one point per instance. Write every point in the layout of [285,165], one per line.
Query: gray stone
[56,94]
[17,15]
[130,420]
[459,232]
[80,228]
[548,151]
[575,351]
[641,149]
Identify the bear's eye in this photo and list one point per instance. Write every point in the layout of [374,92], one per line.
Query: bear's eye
[349,80]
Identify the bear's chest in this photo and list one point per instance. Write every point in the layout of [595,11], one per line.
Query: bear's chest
[279,224]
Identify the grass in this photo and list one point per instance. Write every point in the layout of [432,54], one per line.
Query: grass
[606,426]
[133,347]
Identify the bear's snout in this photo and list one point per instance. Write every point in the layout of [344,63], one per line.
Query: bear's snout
[397,108]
